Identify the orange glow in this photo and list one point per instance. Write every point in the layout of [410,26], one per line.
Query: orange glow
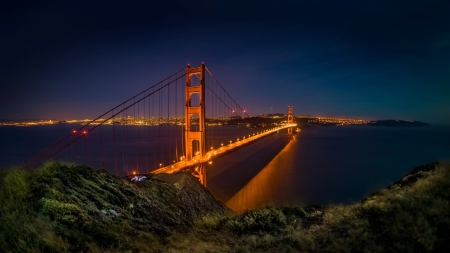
[134,172]
[183,163]
[267,184]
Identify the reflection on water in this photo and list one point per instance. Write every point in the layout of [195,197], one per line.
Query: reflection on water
[267,186]
[338,165]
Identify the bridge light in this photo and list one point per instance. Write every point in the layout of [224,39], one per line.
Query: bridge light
[211,148]
[134,172]
[221,144]
[210,162]
[244,111]
[85,132]
[160,165]
[74,131]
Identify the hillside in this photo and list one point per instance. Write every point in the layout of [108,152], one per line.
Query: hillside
[65,208]
[74,208]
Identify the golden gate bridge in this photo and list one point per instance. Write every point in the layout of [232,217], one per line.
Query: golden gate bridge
[178,124]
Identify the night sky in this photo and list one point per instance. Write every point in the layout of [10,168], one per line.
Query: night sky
[364,59]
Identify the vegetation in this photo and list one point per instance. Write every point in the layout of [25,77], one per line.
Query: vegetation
[67,208]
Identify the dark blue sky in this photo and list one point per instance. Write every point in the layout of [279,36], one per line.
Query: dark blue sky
[365,59]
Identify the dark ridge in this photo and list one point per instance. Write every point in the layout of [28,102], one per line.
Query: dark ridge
[398,123]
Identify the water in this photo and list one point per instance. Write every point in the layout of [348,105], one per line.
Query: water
[333,165]
[325,165]
[120,149]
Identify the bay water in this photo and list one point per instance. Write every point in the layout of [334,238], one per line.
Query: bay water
[341,164]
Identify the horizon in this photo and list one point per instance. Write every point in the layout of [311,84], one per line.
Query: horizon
[276,113]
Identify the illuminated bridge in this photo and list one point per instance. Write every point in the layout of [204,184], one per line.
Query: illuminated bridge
[182,123]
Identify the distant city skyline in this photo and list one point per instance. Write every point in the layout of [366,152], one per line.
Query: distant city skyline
[356,59]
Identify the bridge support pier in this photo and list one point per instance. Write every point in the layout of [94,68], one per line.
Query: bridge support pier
[200,173]
[195,138]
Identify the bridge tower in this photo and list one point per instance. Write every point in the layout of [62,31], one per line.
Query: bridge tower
[196,137]
[290,118]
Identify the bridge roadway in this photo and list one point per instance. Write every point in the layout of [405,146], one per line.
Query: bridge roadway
[181,165]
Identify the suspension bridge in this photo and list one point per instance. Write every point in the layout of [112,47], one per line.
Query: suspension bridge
[181,123]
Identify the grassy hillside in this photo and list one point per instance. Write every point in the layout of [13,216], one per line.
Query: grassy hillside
[64,208]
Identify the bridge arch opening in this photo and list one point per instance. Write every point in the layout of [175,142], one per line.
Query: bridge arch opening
[194,99]
[194,120]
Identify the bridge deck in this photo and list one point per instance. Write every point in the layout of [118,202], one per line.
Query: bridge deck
[179,166]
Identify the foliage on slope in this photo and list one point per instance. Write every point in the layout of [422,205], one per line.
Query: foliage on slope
[72,209]
[413,215]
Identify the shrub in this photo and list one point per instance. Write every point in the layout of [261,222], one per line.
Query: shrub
[265,219]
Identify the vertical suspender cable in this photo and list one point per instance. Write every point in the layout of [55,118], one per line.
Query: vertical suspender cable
[168,125]
[139,138]
[176,119]
[114,143]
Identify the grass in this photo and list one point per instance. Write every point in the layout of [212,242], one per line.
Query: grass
[68,208]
